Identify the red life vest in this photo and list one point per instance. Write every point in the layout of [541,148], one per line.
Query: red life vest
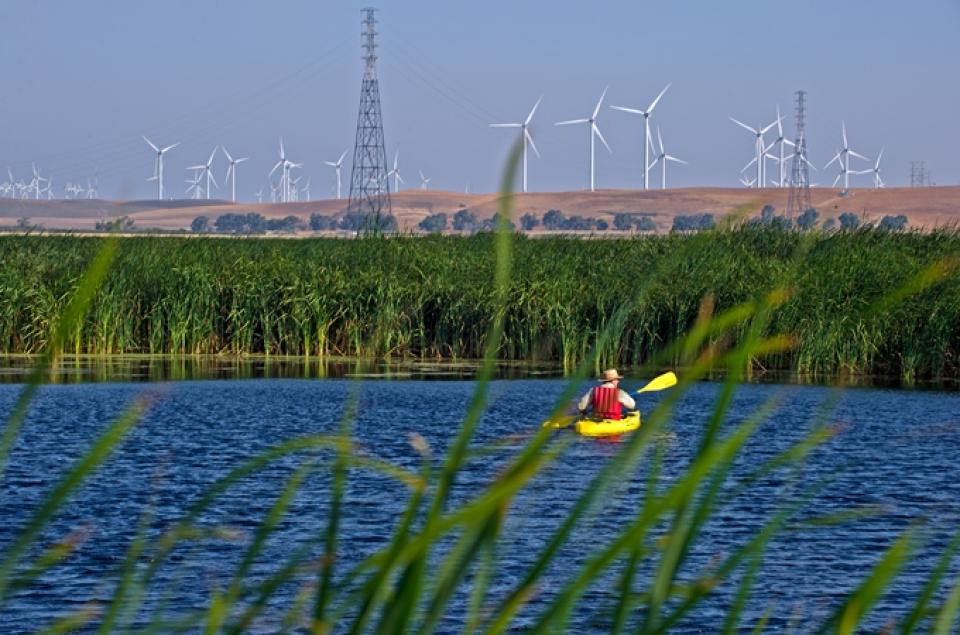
[606,403]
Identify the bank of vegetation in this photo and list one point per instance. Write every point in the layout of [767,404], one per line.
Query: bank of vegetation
[433,296]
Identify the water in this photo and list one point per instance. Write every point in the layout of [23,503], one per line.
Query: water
[894,455]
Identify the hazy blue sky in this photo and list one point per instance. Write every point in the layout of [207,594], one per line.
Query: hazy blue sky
[81,82]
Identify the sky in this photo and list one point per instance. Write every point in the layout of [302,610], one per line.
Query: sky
[82,81]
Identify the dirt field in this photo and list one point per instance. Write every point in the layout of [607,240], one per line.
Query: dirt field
[925,207]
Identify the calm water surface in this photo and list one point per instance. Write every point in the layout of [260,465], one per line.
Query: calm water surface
[896,454]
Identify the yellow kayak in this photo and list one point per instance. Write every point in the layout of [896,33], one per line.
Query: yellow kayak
[591,427]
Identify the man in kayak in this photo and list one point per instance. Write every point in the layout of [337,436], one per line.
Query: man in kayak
[607,399]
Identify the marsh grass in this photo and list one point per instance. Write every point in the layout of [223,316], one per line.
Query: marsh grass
[437,297]
[440,552]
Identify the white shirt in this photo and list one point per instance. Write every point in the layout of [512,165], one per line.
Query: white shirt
[625,399]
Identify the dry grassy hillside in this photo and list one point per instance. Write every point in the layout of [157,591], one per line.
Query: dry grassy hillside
[925,207]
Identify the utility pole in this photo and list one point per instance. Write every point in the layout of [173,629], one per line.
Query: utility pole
[798,200]
[369,193]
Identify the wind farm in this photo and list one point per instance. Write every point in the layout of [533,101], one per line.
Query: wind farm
[555,165]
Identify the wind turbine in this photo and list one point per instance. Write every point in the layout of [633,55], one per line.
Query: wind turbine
[663,157]
[877,181]
[594,131]
[282,163]
[206,171]
[525,135]
[648,138]
[232,172]
[844,156]
[336,166]
[758,147]
[423,180]
[395,172]
[782,141]
[158,165]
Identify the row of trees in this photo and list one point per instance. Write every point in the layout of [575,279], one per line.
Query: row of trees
[809,218]
[553,220]
[253,223]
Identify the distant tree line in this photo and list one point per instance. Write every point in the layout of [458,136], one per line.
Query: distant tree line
[465,221]
[808,219]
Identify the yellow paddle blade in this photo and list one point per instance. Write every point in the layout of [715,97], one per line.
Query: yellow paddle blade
[661,382]
[561,421]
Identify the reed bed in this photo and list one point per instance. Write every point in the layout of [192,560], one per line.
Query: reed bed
[433,297]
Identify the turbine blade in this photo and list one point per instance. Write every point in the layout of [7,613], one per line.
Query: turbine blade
[877,166]
[835,157]
[229,158]
[635,111]
[659,139]
[843,125]
[600,134]
[743,125]
[506,125]
[532,144]
[858,155]
[675,159]
[150,143]
[340,160]
[564,123]
[599,102]
[767,129]
[532,110]
[170,147]
[752,161]
[655,101]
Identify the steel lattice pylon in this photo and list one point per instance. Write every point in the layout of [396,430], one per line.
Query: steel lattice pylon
[798,200]
[369,191]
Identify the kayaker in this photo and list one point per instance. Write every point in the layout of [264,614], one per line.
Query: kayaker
[607,400]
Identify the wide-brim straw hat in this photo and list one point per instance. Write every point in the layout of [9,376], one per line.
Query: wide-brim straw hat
[610,374]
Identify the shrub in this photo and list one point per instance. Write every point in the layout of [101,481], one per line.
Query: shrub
[200,224]
[529,221]
[808,219]
[465,221]
[693,222]
[234,223]
[434,223]
[893,223]
[322,222]
[849,221]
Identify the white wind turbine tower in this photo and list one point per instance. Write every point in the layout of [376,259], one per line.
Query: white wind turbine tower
[663,157]
[336,165]
[395,173]
[232,173]
[844,156]
[759,147]
[282,163]
[158,165]
[594,131]
[782,141]
[875,171]
[647,136]
[525,135]
[205,171]
[423,180]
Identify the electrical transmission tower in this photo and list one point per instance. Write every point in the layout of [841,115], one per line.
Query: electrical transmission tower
[369,191]
[798,201]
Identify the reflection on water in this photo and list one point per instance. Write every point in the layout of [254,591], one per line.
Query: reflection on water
[72,370]
[133,368]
